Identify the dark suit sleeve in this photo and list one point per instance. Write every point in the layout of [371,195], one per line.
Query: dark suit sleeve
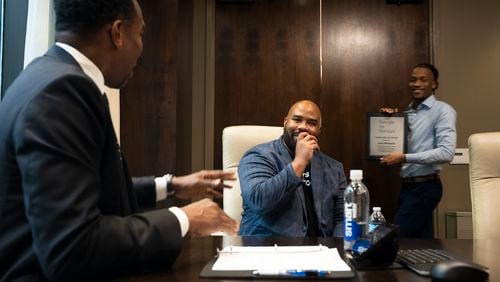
[145,191]
[59,137]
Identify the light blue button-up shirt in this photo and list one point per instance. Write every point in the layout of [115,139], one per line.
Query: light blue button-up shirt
[432,137]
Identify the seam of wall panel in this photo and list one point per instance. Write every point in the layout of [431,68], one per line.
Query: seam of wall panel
[210,85]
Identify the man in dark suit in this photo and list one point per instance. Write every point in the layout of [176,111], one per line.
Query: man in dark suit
[68,207]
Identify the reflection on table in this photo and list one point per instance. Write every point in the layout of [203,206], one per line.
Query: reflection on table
[198,251]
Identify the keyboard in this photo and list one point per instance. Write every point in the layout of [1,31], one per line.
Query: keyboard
[421,260]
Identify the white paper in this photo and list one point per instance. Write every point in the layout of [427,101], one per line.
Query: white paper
[279,258]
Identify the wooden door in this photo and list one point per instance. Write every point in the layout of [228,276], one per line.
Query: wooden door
[161,84]
[349,56]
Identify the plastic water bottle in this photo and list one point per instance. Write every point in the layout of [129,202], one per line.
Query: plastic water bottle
[356,214]
[376,218]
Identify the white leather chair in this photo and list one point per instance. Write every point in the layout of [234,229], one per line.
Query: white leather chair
[484,172]
[236,141]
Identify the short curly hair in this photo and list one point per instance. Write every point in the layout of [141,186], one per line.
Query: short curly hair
[90,15]
[430,67]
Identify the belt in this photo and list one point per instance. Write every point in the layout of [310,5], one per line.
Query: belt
[423,178]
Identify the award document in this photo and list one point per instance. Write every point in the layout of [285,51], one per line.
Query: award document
[386,133]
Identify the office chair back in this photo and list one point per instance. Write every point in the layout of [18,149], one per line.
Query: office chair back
[236,141]
[484,172]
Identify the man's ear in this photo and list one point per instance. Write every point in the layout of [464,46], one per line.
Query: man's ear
[284,121]
[435,85]
[116,33]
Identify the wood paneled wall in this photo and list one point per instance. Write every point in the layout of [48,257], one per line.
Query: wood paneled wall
[149,101]
[349,56]
[266,58]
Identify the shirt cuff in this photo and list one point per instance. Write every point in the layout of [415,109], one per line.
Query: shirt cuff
[182,218]
[161,188]
[411,158]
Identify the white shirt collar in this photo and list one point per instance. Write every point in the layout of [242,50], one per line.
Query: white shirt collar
[88,67]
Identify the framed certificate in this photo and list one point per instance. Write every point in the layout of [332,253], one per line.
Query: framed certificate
[386,133]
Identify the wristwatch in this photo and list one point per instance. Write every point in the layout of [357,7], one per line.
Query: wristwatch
[170,187]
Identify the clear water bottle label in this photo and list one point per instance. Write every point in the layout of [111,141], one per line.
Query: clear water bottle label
[351,228]
[372,227]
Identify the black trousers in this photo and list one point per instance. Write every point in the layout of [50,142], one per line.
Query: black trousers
[417,201]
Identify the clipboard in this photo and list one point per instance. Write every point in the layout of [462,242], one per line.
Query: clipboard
[231,272]
[207,272]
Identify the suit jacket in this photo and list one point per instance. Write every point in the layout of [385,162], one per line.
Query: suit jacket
[68,209]
[273,198]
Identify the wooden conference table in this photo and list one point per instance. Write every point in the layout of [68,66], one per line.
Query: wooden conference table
[198,251]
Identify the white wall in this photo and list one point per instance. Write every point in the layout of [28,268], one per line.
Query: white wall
[39,35]
[467,53]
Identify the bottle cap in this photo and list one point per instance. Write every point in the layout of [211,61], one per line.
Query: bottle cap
[356,174]
[377,209]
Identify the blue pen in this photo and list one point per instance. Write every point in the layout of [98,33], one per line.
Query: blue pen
[292,272]
[307,273]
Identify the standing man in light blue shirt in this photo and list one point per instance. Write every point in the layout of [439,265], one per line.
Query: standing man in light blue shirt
[431,142]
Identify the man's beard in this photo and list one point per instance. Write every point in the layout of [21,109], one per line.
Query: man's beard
[290,139]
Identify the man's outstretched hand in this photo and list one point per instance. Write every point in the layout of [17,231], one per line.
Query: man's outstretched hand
[201,183]
[206,217]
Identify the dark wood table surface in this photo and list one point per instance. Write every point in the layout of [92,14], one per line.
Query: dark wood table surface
[198,251]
